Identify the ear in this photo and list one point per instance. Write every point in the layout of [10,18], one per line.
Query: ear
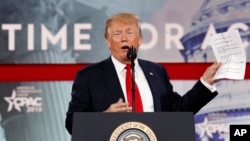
[140,40]
[108,42]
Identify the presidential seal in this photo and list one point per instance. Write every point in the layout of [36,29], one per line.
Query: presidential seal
[133,131]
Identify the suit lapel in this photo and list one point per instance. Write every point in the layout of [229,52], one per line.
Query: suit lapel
[112,80]
[150,75]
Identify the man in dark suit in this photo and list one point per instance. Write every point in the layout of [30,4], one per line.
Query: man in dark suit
[101,87]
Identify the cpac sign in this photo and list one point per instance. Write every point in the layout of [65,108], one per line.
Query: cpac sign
[32,104]
[173,33]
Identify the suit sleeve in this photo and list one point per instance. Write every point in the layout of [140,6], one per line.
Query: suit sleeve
[192,101]
[79,100]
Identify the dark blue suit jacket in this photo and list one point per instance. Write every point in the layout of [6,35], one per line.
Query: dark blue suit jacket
[97,86]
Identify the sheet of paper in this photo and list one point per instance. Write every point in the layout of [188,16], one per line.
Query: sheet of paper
[229,51]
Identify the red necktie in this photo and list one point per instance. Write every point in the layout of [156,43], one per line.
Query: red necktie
[138,102]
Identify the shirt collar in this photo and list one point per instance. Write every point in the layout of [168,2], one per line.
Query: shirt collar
[120,66]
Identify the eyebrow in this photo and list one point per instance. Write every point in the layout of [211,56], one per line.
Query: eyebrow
[129,29]
[118,30]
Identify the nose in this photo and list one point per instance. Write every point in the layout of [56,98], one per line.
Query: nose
[124,37]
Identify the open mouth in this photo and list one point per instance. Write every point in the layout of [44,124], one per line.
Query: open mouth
[125,47]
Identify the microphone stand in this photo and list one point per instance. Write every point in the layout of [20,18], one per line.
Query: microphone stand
[133,84]
[132,55]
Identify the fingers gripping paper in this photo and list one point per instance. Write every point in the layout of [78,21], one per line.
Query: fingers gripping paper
[229,51]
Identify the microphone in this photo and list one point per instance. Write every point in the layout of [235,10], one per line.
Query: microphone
[131,54]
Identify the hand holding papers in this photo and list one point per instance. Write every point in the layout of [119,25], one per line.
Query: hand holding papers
[228,51]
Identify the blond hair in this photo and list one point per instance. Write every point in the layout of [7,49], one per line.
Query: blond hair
[125,18]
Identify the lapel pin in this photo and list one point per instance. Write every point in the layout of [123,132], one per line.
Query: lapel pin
[150,73]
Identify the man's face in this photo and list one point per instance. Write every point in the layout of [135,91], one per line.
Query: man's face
[122,34]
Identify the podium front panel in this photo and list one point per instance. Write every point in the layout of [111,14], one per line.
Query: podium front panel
[166,126]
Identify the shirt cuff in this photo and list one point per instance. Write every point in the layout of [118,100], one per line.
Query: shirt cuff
[212,88]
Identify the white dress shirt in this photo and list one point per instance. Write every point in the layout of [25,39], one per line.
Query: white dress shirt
[141,81]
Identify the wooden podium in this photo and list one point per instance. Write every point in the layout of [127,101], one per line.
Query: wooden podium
[155,126]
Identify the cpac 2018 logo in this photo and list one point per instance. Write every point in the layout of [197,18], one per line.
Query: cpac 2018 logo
[25,98]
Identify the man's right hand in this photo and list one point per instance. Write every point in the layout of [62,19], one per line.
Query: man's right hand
[119,106]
